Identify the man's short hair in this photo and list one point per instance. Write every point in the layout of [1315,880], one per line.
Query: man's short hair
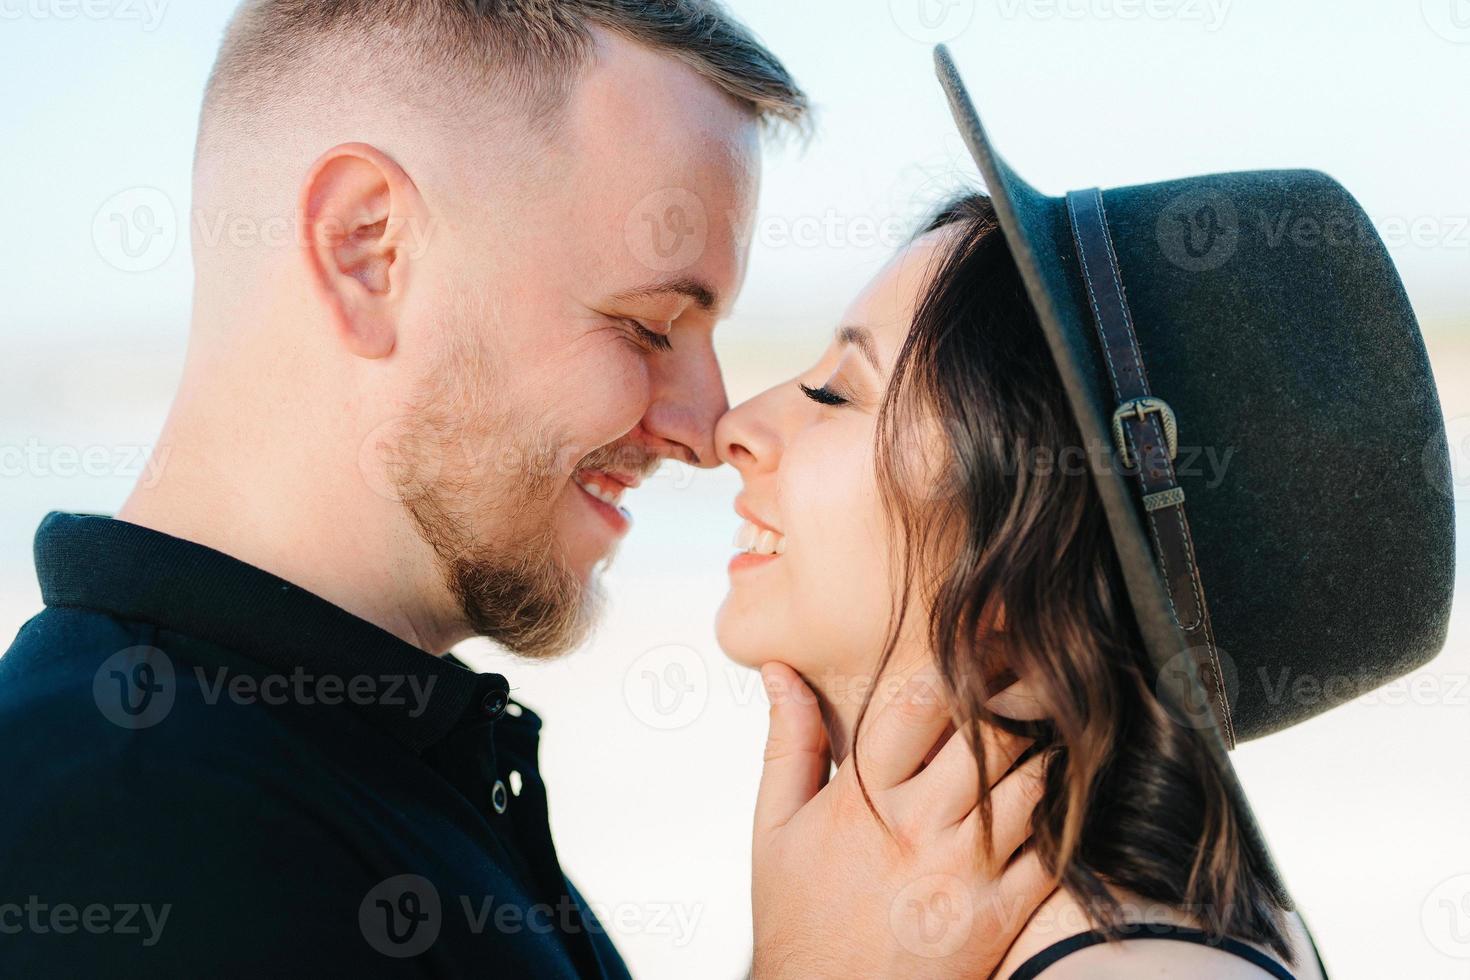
[527,51]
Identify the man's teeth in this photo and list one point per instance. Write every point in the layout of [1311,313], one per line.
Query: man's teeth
[758,541]
[606,495]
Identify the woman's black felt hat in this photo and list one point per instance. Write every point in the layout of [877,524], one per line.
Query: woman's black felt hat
[1260,419]
[1262,425]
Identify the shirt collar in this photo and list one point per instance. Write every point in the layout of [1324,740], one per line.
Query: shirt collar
[143,575]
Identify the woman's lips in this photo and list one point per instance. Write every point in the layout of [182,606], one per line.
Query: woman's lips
[757,546]
[758,543]
[746,560]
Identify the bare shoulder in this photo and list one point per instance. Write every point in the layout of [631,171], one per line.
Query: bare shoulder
[1060,918]
[1154,958]
[1305,965]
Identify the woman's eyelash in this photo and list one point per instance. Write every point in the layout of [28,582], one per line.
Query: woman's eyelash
[822,395]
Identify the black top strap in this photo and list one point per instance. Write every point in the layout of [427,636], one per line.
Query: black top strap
[1032,968]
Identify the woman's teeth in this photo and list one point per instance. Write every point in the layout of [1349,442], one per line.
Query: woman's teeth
[754,540]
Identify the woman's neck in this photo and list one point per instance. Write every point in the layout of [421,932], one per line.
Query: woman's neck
[841,696]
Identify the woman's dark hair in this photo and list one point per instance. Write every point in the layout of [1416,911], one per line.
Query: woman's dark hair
[1011,553]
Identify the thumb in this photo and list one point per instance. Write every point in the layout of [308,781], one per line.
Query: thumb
[1019,703]
[797,756]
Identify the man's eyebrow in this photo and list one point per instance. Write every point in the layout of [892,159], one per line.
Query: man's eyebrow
[704,297]
[862,339]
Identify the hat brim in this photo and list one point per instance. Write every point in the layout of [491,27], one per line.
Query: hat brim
[1038,234]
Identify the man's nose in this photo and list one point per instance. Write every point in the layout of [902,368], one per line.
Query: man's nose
[689,400]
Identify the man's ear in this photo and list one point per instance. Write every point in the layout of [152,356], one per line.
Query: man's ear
[359,211]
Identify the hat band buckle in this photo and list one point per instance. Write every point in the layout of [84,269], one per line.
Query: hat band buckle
[1139,409]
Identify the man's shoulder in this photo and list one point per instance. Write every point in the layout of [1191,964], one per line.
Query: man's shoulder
[44,645]
[250,818]
[98,711]
[134,782]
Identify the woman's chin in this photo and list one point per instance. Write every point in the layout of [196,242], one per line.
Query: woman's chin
[741,639]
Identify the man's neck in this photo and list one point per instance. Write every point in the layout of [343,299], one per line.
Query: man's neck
[279,509]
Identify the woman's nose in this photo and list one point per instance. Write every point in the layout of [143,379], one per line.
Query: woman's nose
[746,436]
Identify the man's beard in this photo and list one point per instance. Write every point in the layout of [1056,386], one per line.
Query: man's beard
[492,533]
[516,593]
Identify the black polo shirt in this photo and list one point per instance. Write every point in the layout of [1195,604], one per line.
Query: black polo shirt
[211,772]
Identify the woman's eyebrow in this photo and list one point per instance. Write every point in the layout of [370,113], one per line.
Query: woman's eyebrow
[862,339]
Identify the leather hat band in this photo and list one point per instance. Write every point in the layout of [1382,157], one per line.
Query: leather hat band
[1145,433]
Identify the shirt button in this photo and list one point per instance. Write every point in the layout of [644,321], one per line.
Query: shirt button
[495,704]
[499,798]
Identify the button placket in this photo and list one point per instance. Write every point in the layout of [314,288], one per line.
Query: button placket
[500,797]
[493,706]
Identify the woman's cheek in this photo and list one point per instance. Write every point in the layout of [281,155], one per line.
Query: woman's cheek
[836,532]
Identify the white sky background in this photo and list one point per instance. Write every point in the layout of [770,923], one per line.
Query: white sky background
[1367,806]
[1076,92]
